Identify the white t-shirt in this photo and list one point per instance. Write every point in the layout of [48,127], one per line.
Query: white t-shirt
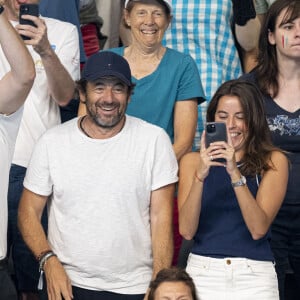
[9,126]
[40,110]
[99,219]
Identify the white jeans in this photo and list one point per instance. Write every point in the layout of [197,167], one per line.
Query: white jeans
[233,278]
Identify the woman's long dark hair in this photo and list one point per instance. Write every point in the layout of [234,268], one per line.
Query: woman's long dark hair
[267,67]
[258,144]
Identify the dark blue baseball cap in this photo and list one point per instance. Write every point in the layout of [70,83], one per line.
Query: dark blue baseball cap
[106,63]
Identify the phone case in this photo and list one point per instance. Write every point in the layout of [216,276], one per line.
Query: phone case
[28,9]
[215,131]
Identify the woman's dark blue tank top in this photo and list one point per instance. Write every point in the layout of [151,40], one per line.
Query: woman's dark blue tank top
[222,231]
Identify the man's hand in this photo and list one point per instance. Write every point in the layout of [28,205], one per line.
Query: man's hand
[58,69]
[58,283]
[38,35]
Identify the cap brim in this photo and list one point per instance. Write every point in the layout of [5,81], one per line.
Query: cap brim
[96,76]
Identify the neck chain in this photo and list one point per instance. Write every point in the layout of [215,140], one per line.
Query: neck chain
[81,127]
[83,130]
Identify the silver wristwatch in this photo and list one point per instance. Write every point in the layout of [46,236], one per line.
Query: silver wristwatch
[241,182]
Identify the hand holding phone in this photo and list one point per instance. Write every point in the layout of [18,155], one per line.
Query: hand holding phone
[28,9]
[215,132]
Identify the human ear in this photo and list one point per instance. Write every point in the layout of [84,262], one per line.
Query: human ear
[82,96]
[271,38]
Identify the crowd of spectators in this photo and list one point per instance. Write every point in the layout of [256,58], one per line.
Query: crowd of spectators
[104,107]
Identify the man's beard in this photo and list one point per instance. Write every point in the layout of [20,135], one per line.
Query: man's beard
[104,122]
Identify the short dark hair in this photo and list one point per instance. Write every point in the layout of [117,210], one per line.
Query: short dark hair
[173,274]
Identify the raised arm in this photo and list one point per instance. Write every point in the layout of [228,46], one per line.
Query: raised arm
[16,84]
[189,195]
[259,213]
[60,81]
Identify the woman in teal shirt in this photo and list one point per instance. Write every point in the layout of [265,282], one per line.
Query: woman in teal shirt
[168,87]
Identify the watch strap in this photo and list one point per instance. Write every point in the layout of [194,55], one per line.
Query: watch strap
[241,182]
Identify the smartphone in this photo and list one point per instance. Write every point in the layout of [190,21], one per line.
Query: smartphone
[215,132]
[28,9]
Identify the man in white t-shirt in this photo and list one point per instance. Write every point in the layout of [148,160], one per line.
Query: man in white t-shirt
[54,48]
[14,88]
[109,181]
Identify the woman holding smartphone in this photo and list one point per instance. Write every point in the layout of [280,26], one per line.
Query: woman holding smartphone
[228,207]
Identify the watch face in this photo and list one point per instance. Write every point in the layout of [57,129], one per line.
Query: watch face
[241,182]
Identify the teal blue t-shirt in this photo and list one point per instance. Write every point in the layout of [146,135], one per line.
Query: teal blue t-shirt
[175,79]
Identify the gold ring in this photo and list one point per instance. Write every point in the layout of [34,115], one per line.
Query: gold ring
[211,157]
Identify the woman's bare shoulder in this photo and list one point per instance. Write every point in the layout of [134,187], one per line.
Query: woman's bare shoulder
[278,160]
[278,156]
